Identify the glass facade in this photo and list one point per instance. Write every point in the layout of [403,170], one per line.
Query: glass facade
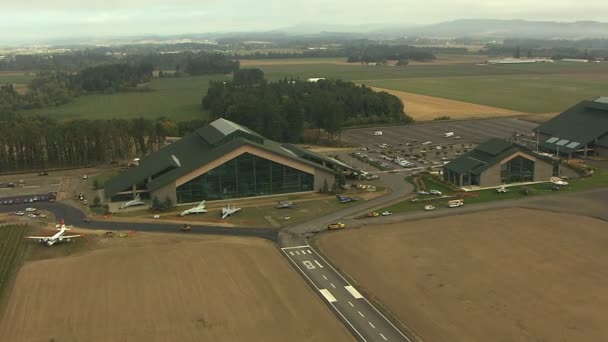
[518,169]
[245,176]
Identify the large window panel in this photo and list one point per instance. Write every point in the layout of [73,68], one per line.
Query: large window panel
[245,176]
[516,170]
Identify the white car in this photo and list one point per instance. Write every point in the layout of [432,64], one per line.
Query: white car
[387,213]
[19,213]
[435,192]
[376,133]
[32,216]
[422,192]
[429,207]
[502,190]
[30,209]
[85,177]
[560,183]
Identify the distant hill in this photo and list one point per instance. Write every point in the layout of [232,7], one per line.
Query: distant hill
[490,28]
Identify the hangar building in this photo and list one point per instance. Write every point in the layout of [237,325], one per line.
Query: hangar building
[580,130]
[497,162]
[223,160]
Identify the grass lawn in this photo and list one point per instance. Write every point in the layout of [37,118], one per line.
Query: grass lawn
[103,177]
[12,248]
[263,215]
[176,98]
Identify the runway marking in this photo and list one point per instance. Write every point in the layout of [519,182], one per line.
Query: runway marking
[309,252]
[353,292]
[324,277]
[321,266]
[297,247]
[361,314]
[351,304]
[383,337]
[308,265]
[332,285]
[330,298]
[298,252]
[291,253]
[371,325]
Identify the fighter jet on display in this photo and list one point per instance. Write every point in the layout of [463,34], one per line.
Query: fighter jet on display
[285,205]
[57,237]
[199,209]
[227,212]
[344,199]
[134,202]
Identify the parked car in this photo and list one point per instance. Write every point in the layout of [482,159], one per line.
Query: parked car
[456,203]
[86,220]
[336,225]
[85,177]
[30,209]
[422,192]
[435,192]
[429,207]
[43,173]
[373,214]
[387,213]
[19,213]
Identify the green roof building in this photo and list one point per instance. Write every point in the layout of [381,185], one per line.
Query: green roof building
[580,130]
[497,162]
[223,160]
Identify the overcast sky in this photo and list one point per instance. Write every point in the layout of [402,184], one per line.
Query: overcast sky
[44,19]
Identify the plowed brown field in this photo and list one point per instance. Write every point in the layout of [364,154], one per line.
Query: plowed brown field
[167,288]
[505,275]
[425,108]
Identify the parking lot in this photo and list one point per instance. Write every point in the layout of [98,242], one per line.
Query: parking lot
[423,145]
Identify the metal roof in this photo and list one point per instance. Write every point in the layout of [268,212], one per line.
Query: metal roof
[486,155]
[195,150]
[583,123]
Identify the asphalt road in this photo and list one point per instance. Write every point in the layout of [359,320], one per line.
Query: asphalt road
[359,315]
[75,216]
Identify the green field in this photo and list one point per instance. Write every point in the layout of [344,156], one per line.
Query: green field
[176,98]
[533,88]
[15,77]
[12,247]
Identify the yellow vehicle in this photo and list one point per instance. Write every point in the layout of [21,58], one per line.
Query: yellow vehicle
[337,225]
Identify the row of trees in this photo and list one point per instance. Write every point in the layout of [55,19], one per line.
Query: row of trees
[113,77]
[35,143]
[379,53]
[282,110]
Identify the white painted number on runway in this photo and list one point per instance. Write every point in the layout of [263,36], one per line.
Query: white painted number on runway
[321,266]
[308,265]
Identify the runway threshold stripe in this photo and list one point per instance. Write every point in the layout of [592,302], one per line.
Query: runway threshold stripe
[383,337]
[330,298]
[353,292]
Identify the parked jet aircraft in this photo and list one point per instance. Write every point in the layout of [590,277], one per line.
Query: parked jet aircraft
[199,209]
[285,205]
[229,211]
[344,199]
[57,237]
[134,202]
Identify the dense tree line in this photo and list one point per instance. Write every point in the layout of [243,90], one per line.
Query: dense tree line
[35,143]
[114,77]
[281,110]
[379,53]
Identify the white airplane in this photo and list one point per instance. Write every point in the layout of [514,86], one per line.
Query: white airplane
[227,212]
[57,237]
[134,202]
[199,209]
[448,134]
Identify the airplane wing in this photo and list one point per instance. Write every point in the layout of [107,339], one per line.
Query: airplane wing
[70,236]
[37,237]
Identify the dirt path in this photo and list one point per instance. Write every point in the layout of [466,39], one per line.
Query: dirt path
[155,287]
[425,108]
